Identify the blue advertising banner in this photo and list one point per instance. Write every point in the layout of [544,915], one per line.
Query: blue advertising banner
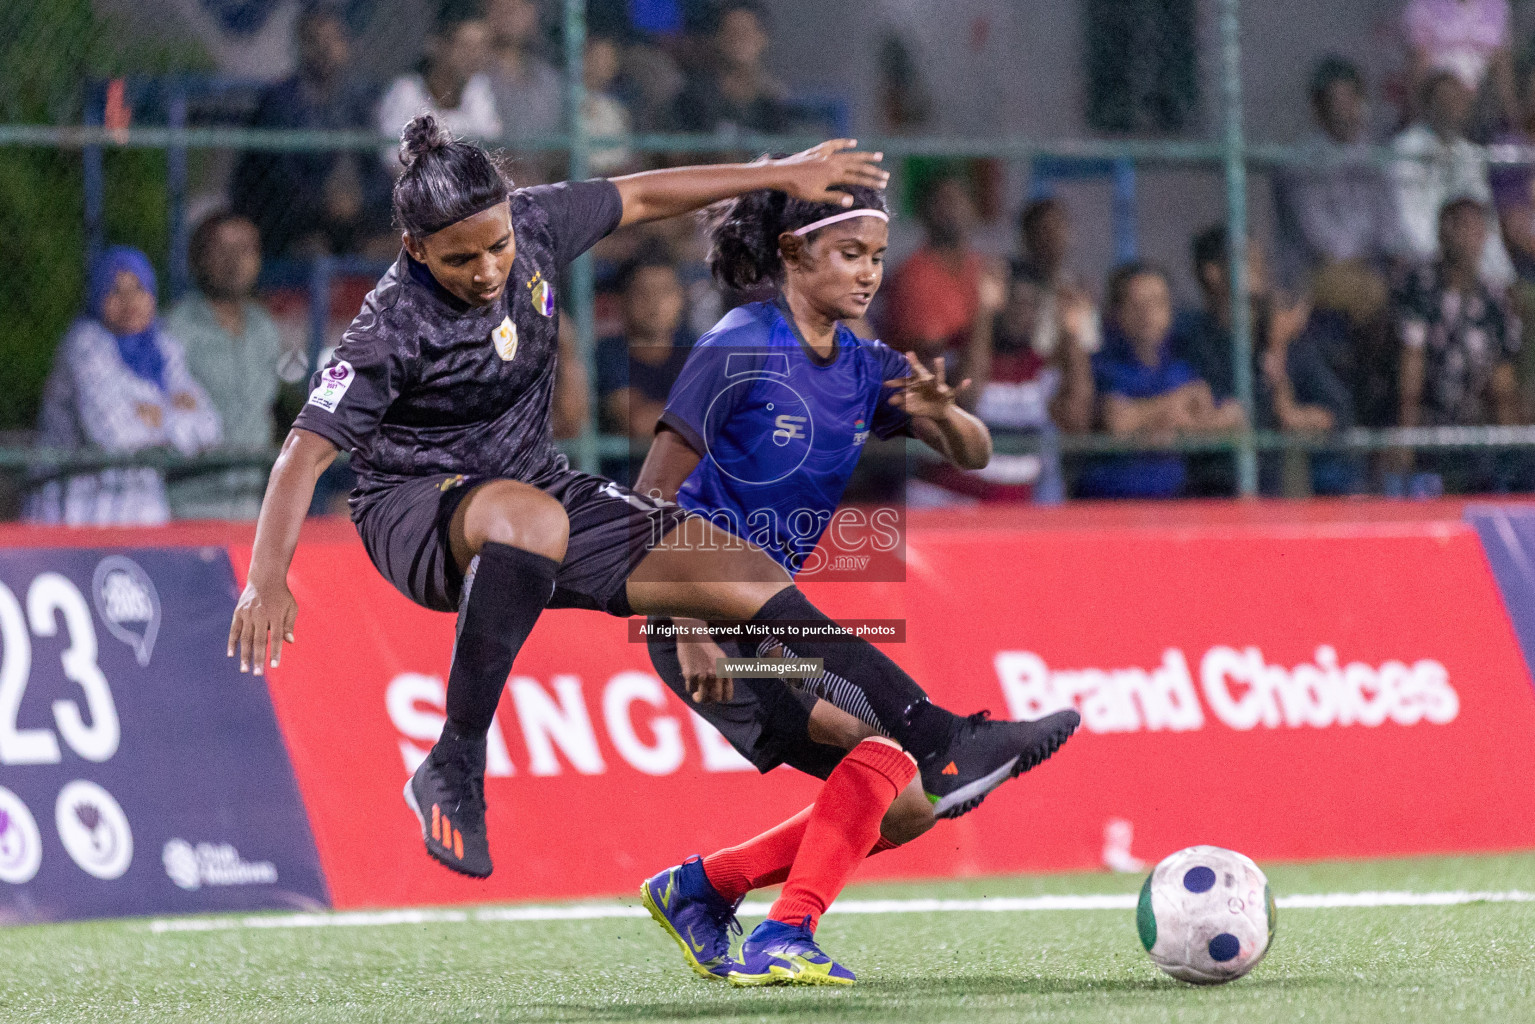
[140,773]
[1508,538]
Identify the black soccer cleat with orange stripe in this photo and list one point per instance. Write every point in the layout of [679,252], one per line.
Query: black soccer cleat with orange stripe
[447,793]
[982,754]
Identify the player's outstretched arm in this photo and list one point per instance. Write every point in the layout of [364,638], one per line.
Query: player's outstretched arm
[266,610]
[654,195]
[936,417]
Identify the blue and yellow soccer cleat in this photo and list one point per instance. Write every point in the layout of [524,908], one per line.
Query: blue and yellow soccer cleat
[682,901]
[784,954]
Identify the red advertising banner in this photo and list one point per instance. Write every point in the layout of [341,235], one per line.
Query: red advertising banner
[1344,683]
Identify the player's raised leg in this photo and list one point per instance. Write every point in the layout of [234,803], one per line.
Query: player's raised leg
[509,539]
[961,759]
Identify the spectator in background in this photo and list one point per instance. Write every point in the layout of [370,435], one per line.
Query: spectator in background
[605,114]
[1146,392]
[649,36]
[1513,185]
[1513,194]
[649,82]
[1459,342]
[1466,38]
[1338,225]
[1302,360]
[232,347]
[1439,164]
[734,92]
[571,406]
[905,100]
[306,203]
[636,370]
[931,300]
[1016,390]
[119,384]
[1044,235]
[529,92]
[450,82]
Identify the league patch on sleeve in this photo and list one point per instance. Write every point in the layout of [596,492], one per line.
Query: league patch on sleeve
[333,384]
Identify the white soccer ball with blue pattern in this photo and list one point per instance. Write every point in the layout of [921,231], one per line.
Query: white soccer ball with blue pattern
[1206,915]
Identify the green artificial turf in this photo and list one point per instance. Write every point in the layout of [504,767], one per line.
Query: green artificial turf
[1434,964]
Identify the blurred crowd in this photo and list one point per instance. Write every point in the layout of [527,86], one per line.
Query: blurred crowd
[1396,294]
[1393,294]
[486,72]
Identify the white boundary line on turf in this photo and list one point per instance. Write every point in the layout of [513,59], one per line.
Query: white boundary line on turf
[597,911]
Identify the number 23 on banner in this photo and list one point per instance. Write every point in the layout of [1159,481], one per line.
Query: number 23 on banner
[49,595]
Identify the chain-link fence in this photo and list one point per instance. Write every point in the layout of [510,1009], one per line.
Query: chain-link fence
[1057,141]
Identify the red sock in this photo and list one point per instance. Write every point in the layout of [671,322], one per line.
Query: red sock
[765,860]
[728,864]
[843,828]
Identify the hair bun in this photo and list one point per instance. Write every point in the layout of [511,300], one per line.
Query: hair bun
[424,134]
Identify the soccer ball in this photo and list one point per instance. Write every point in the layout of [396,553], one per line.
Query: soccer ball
[1206,915]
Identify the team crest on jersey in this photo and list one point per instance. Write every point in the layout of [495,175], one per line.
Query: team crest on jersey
[543,293]
[505,339]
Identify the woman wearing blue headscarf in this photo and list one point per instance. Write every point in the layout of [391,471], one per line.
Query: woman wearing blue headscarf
[119,384]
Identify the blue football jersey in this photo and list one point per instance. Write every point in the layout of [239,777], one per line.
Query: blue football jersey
[779,428]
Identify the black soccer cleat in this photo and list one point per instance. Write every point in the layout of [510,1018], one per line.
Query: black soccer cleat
[983,754]
[448,795]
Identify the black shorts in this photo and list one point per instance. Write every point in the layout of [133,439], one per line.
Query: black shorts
[405,532]
[766,720]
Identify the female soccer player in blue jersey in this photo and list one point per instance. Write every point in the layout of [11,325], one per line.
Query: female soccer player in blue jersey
[760,435]
[441,390]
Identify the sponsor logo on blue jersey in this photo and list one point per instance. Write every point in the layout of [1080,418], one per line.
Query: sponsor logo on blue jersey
[780,427]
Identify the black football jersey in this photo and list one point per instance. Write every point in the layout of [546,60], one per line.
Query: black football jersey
[423,384]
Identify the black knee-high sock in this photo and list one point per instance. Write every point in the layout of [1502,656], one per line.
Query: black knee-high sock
[897,701]
[508,590]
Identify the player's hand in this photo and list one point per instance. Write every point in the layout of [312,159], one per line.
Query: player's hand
[810,175]
[704,685]
[925,392]
[263,614]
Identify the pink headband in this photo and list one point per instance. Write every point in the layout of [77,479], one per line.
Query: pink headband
[844,215]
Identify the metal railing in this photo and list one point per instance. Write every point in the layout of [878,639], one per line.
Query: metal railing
[1230,152]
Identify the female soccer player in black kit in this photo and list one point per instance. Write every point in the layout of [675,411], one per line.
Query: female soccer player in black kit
[441,390]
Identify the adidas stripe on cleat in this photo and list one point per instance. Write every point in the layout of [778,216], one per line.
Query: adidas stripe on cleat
[447,796]
[983,754]
[444,832]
